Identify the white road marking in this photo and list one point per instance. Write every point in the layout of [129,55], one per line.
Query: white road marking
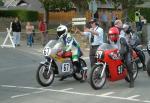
[11,86]
[26,94]
[21,95]
[105,95]
[66,89]
[131,97]
[121,98]
[37,92]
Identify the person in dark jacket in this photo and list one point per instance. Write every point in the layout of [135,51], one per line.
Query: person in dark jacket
[16,29]
[125,52]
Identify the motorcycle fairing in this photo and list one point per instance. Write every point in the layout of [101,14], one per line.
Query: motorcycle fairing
[115,66]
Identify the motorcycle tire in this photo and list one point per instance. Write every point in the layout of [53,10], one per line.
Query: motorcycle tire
[148,67]
[95,77]
[43,77]
[135,72]
[79,76]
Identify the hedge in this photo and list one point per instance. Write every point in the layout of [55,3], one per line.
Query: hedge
[24,15]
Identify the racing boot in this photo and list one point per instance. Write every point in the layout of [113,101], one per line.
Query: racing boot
[79,70]
[78,65]
[84,76]
[62,78]
[144,67]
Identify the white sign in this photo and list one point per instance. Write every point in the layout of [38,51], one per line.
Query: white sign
[78,21]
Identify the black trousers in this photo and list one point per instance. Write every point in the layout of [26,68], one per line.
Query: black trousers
[128,62]
[92,54]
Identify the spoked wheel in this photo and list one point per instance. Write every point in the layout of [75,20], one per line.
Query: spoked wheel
[96,81]
[135,72]
[148,67]
[44,77]
[79,76]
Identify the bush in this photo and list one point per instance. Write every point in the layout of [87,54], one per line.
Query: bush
[24,15]
[1,3]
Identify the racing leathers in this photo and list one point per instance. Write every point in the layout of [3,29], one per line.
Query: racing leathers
[72,45]
[125,54]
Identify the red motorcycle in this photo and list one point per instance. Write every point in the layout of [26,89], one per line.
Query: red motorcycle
[110,66]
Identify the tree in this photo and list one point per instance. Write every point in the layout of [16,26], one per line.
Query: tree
[55,5]
[82,6]
[1,3]
[46,5]
[127,5]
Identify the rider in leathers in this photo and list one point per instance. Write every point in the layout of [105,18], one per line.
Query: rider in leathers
[133,40]
[124,50]
[70,45]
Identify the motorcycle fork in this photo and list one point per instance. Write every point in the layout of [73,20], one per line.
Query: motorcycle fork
[49,67]
[103,69]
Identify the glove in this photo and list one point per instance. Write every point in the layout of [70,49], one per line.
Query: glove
[60,53]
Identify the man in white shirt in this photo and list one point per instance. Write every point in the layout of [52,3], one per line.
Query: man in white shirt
[95,34]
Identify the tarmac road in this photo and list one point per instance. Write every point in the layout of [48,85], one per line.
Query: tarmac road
[18,83]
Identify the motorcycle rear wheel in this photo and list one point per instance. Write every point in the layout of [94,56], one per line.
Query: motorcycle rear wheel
[43,77]
[96,81]
[148,67]
[135,72]
[79,76]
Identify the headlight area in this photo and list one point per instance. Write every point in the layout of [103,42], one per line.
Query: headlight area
[114,56]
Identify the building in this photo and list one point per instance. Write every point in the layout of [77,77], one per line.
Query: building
[23,4]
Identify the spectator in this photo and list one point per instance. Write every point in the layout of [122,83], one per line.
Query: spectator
[143,21]
[42,29]
[29,32]
[118,23]
[104,21]
[95,34]
[113,18]
[16,29]
[138,20]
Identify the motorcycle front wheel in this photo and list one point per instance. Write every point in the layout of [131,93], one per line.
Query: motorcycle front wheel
[148,67]
[79,76]
[135,72]
[44,78]
[96,81]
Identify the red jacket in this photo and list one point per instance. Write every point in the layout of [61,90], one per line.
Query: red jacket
[42,27]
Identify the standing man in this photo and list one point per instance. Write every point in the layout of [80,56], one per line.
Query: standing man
[138,20]
[95,34]
[16,29]
[42,28]
[118,23]
[29,32]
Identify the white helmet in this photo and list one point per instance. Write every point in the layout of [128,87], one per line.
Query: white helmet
[62,31]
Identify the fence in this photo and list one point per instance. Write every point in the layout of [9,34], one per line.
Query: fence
[62,16]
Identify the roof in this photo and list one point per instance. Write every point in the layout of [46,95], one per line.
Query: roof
[32,5]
